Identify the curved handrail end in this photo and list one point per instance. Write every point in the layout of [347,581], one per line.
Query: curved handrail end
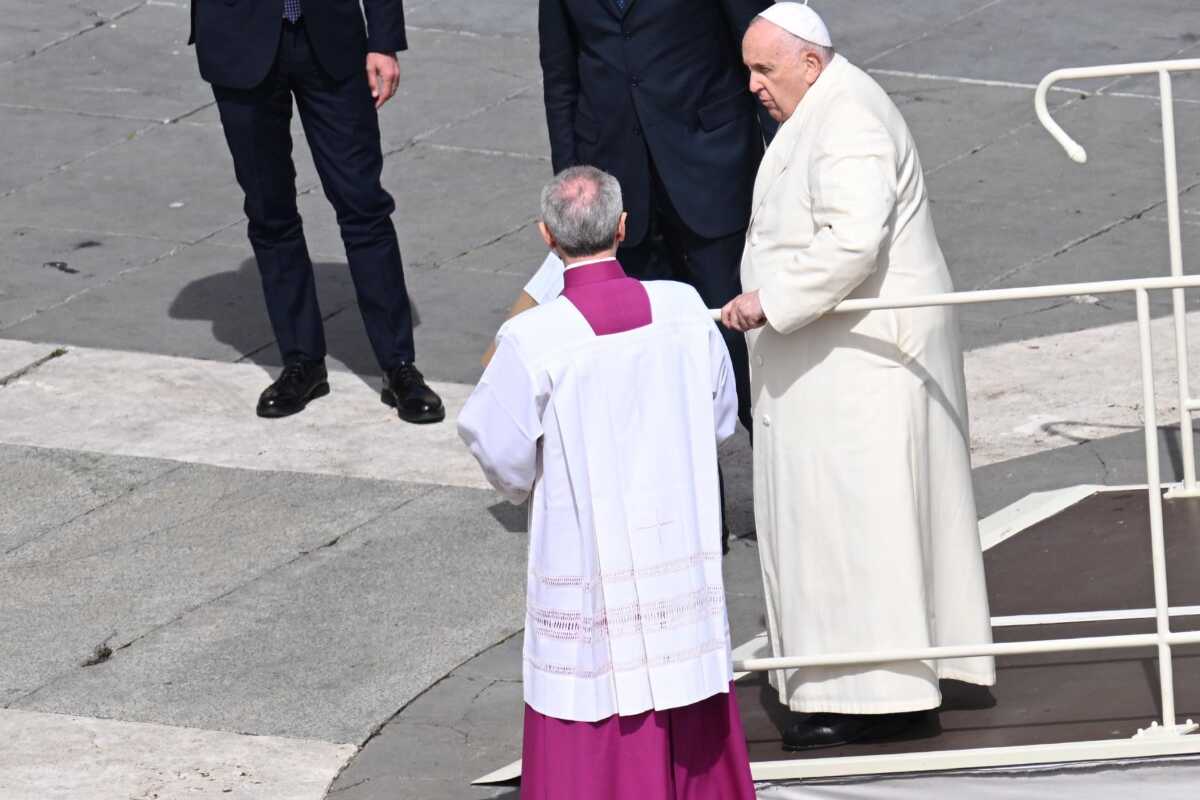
[1073,149]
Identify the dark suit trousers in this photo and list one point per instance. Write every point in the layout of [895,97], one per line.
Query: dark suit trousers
[342,128]
[670,251]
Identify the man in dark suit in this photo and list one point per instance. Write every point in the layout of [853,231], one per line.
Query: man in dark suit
[654,92]
[258,54]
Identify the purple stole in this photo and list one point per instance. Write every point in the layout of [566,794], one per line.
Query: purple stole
[608,299]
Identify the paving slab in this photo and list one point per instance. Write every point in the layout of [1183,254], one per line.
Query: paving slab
[81,483]
[18,356]
[1133,249]
[949,120]
[516,128]
[96,575]
[46,144]
[1022,40]
[1185,86]
[193,193]
[462,727]
[201,300]
[42,268]
[864,31]
[1008,239]
[436,225]
[519,254]
[30,27]
[137,66]
[495,20]
[1069,388]
[330,644]
[1123,137]
[1029,170]
[446,77]
[58,757]
[201,412]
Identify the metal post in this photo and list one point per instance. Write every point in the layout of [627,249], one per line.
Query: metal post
[1154,488]
[1179,309]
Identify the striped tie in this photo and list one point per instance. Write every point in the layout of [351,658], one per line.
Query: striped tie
[291,10]
[620,4]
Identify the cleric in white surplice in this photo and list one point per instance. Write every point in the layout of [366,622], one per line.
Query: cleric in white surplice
[604,408]
[862,479]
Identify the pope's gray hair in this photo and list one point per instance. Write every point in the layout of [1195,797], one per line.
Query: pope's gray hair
[824,53]
[582,208]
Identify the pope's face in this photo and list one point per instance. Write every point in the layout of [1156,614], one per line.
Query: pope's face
[780,74]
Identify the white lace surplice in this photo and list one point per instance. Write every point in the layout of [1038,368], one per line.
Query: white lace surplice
[616,437]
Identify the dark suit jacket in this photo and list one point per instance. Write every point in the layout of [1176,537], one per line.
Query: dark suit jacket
[665,77]
[236,40]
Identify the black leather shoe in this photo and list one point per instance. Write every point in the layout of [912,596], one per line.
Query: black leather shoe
[297,385]
[830,730]
[405,390]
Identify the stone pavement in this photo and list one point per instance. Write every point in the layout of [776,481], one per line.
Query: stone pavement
[195,602]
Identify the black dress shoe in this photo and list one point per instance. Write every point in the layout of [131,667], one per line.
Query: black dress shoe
[297,385]
[405,390]
[830,730]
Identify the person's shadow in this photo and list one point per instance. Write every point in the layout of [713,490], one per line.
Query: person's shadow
[232,302]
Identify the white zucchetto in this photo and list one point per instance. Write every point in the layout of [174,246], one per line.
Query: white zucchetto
[799,20]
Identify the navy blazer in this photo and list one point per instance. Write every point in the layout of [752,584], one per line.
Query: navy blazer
[236,40]
[663,77]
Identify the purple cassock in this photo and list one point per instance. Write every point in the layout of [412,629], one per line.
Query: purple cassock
[697,752]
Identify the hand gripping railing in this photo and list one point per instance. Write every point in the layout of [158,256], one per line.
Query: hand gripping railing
[1187,403]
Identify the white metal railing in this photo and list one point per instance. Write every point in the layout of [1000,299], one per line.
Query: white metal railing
[1187,403]
[1169,737]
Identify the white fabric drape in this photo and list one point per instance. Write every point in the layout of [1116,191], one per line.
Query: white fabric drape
[614,440]
[547,283]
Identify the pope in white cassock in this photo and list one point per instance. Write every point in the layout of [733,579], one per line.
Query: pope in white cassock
[863,499]
[604,407]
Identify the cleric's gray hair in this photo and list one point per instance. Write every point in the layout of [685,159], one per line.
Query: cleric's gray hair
[582,208]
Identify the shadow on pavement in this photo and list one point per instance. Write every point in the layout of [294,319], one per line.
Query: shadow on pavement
[210,299]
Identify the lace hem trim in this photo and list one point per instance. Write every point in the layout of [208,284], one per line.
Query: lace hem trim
[608,667]
[635,618]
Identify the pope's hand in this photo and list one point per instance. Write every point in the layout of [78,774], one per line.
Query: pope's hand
[743,313]
[383,75]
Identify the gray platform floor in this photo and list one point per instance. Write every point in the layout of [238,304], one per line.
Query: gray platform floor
[325,607]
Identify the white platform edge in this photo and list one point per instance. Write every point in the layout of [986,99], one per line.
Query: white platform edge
[944,760]
[1030,510]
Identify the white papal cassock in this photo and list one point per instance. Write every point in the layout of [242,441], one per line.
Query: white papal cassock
[863,498]
[616,437]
